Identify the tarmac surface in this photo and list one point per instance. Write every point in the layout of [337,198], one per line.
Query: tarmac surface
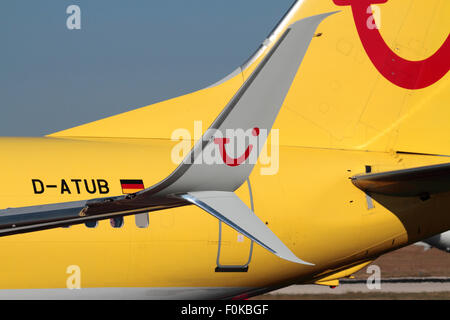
[408,273]
[407,287]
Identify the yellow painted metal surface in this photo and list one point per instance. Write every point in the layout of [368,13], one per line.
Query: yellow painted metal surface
[310,204]
[339,99]
[328,283]
[340,116]
[346,273]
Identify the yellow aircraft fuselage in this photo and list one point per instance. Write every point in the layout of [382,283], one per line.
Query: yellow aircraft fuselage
[345,115]
[310,204]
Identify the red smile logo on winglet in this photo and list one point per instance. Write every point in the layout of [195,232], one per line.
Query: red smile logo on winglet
[401,72]
[234,162]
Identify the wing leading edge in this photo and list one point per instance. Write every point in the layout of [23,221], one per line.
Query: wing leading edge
[49,216]
[414,182]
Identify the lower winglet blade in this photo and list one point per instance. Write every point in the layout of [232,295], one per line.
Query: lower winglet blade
[228,208]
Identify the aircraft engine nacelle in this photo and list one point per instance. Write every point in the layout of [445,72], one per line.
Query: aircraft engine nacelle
[440,241]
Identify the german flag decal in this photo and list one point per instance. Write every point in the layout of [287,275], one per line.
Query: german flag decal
[131,186]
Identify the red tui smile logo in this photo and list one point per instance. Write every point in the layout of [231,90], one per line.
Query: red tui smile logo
[234,162]
[401,72]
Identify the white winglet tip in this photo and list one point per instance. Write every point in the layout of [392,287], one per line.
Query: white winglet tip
[293,258]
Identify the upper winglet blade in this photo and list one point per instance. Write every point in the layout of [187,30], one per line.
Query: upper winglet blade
[228,208]
[252,111]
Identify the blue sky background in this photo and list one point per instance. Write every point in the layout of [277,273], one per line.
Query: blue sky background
[128,54]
